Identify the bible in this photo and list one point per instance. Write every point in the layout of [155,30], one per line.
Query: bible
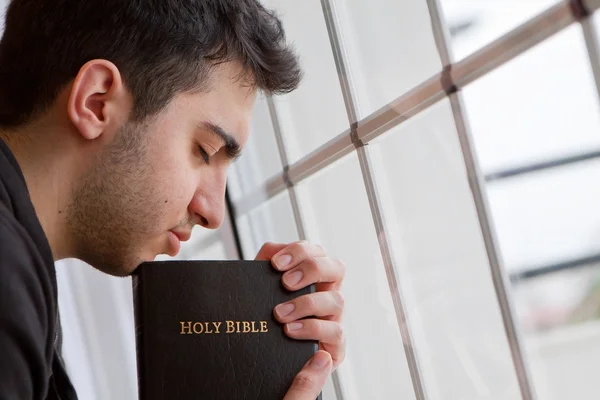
[206,330]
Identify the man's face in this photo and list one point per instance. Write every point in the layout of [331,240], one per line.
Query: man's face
[156,179]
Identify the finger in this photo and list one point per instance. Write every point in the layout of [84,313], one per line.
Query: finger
[330,335]
[310,380]
[295,253]
[320,304]
[315,270]
[268,250]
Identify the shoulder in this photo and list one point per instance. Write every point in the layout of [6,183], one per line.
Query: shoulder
[13,237]
[27,284]
[21,265]
[27,310]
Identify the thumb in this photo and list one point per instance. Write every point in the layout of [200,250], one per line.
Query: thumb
[310,380]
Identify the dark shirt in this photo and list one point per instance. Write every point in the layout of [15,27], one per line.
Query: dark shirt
[31,366]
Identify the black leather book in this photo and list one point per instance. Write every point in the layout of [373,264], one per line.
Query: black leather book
[206,330]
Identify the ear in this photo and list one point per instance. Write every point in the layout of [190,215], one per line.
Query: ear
[99,102]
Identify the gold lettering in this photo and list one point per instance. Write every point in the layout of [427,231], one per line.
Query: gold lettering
[246,326]
[230,326]
[188,327]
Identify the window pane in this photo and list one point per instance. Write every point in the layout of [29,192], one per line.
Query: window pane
[260,158]
[96,311]
[272,221]
[560,315]
[566,361]
[391,48]
[329,390]
[315,112]
[475,23]
[539,106]
[548,216]
[442,259]
[558,300]
[212,250]
[338,217]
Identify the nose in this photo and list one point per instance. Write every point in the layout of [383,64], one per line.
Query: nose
[208,204]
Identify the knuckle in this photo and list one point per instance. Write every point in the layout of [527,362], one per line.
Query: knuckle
[310,302]
[338,333]
[304,381]
[341,265]
[312,264]
[295,248]
[339,299]
[302,246]
[340,359]
[317,329]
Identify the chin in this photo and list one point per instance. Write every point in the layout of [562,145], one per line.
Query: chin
[118,267]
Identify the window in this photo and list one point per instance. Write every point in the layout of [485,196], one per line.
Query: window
[467,222]
[468,219]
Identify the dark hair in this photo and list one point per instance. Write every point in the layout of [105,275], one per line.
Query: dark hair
[161,47]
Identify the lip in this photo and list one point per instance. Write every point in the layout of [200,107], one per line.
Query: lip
[182,236]
[174,244]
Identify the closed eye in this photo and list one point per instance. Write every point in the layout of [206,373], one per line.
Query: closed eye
[204,154]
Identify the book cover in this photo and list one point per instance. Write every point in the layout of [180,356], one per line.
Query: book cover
[206,330]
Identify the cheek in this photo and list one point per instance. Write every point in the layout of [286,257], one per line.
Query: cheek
[176,192]
[174,180]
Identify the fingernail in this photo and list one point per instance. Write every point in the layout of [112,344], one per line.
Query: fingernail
[283,260]
[294,326]
[284,309]
[319,360]
[293,278]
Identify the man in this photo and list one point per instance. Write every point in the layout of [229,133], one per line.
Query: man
[118,121]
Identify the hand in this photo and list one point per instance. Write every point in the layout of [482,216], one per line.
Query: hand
[305,264]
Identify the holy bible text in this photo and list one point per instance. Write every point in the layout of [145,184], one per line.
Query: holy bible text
[190,327]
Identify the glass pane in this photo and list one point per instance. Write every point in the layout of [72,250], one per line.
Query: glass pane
[329,390]
[390,46]
[99,339]
[260,158]
[338,217]
[315,112]
[272,221]
[539,106]
[442,260]
[559,313]
[566,361]
[548,216]
[475,23]
[215,250]
[558,300]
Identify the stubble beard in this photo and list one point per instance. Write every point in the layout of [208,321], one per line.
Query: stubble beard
[115,208]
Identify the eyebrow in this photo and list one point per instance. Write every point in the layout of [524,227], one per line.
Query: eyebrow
[232,147]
